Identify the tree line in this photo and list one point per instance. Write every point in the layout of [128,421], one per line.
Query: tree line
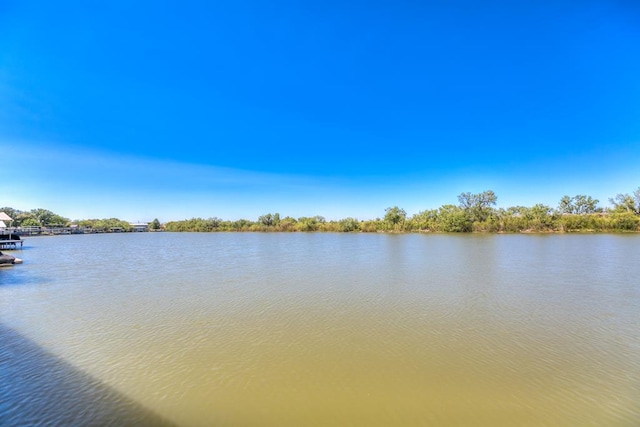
[46,218]
[472,213]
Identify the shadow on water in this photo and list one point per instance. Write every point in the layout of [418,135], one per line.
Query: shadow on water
[38,388]
[19,274]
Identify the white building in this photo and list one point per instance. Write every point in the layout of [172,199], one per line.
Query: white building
[140,226]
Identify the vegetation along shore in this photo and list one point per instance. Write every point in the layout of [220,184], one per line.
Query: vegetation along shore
[473,213]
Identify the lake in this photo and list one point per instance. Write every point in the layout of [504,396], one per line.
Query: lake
[277,329]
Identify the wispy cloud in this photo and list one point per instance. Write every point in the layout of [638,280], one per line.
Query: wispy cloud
[81,182]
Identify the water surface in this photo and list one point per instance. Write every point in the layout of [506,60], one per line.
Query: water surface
[254,329]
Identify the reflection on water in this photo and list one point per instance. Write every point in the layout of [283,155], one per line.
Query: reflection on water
[331,329]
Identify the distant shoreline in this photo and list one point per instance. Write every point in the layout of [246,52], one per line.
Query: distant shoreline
[474,213]
[390,232]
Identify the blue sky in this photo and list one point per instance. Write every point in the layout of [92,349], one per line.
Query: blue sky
[173,110]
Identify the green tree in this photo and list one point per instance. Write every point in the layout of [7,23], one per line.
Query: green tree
[348,224]
[241,225]
[47,218]
[215,222]
[539,217]
[309,223]
[154,225]
[395,217]
[565,206]
[270,220]
[627,202]
[30,222]
[266,219]
[585,204]
[43,216]
[578,205]
[105,224]
[287,224]
[478,206]
[425,220]
[454,219]
[624,221]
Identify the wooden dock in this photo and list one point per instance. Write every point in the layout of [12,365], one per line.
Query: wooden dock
[11,244]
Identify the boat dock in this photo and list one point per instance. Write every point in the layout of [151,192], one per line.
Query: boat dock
[10,244]
[8,239]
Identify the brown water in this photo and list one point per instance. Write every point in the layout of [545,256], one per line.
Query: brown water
[322,329]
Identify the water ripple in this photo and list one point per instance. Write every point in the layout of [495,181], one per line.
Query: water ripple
[333,329]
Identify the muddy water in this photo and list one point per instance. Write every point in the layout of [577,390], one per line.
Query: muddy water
[255,329]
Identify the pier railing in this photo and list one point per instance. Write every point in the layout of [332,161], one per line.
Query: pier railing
[52,231]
